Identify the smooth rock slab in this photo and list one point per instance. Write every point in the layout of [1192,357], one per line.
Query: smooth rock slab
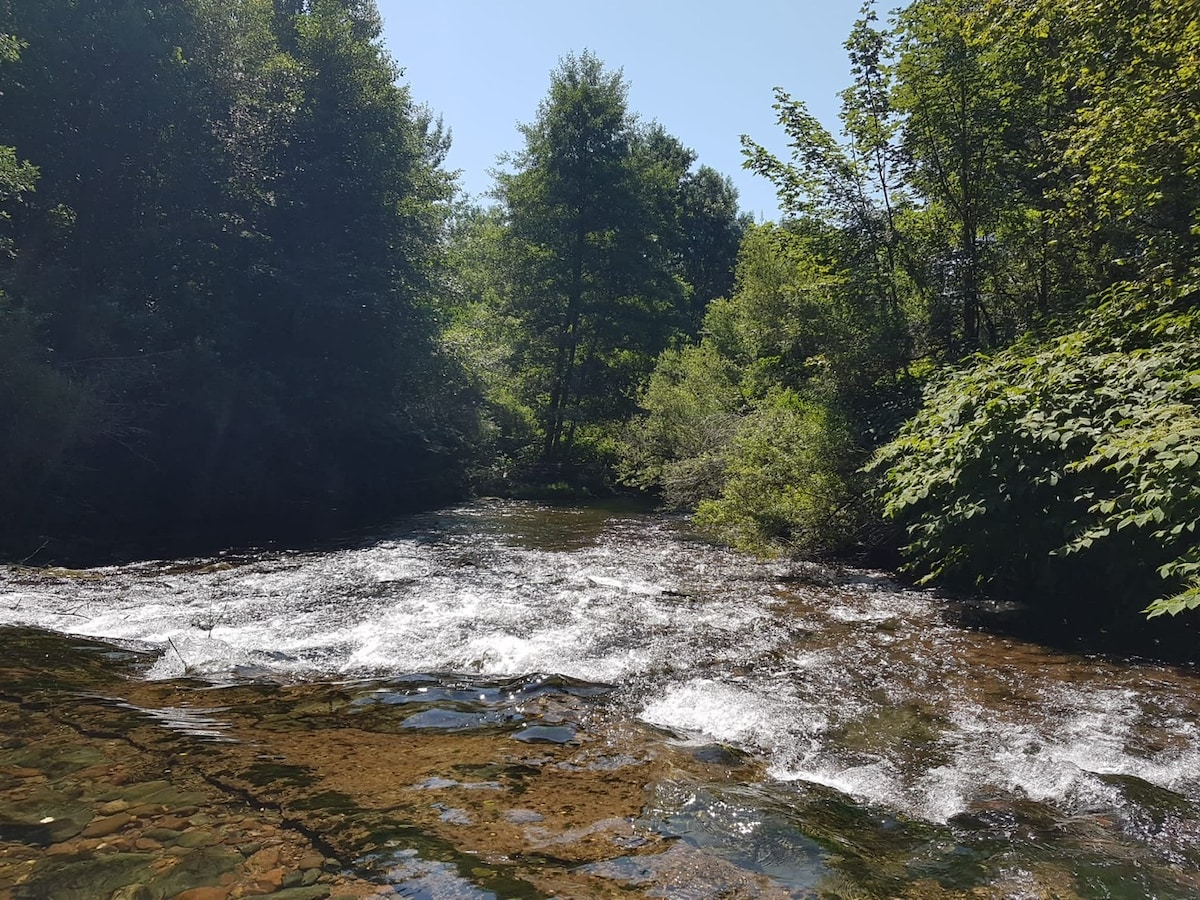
[200,868]
[547,734]
[85,877]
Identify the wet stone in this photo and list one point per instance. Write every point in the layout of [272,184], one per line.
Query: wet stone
[272,879]
[205,893]
[523,816]
[455,817]
[163,835]
[85,876]
[310,877]
[311,861]
[308,892]
[197,838]
[21,772]
[45,817]
[545,734]
[200,868]
[264,859]
[108,825]
[450,720]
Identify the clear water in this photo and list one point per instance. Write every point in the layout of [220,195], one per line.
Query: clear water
[906,746]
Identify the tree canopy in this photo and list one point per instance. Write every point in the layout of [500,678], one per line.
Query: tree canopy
[219,296]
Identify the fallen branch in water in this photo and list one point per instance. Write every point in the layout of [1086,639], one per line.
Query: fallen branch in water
[186,667]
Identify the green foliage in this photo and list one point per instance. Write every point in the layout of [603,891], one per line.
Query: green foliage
[749,426]
[1135,139]
[220,294]
[1069,465]
[680,444]
[787,488]
[1005,167]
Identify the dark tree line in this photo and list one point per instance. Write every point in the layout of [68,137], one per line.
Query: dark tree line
[223,236]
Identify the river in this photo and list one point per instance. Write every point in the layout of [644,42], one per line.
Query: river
[580,702]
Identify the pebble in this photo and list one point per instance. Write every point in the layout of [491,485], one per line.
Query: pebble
[113,806]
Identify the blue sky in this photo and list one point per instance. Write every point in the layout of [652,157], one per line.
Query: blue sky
[704,70]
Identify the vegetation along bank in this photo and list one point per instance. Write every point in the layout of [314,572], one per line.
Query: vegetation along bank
[241,299]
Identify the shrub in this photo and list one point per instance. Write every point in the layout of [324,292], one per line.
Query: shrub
[787,487]
[1067,468]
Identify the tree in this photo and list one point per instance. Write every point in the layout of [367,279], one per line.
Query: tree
[712,230]
[591,212]
[233,250]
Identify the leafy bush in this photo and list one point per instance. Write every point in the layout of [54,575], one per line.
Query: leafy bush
[787,485]
[1069,468]
[679,445]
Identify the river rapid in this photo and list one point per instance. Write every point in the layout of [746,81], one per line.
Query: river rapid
[829,733]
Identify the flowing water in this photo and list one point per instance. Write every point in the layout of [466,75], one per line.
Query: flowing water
[778,730]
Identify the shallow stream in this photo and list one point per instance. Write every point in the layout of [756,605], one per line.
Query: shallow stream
[512,700]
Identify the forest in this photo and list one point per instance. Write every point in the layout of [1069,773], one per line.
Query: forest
[243,300]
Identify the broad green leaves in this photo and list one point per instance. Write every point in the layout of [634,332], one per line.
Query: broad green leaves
[1086,447]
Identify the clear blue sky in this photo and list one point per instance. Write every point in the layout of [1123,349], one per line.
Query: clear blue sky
[705,70]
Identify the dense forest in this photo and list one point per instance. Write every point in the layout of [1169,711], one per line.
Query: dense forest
[241,298]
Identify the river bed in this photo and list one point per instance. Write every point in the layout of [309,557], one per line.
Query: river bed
[511,700]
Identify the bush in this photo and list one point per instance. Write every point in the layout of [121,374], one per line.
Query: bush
[787,488]
[679,444]
[1066,468]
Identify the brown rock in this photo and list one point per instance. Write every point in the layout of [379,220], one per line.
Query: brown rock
[107,825]
[146,810]
[311,861]
[20,772]
[95,771]
[267,858]
[113,806]
[205,893]
[272,879]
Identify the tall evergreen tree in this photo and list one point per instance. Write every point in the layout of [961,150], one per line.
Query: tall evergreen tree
[587,208]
